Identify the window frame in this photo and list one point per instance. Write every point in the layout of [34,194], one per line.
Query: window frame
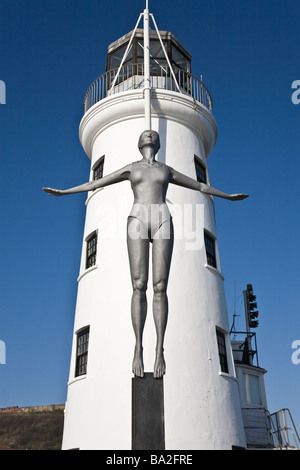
[223,354]
[91,252]
[210,257]
[82,356]
[198,163]
[252,389]
[99,163]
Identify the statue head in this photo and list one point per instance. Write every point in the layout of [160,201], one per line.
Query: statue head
[149,138]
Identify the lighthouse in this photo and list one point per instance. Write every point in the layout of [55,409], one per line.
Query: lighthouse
[194,404]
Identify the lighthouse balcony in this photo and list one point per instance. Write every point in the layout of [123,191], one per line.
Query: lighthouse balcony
[131,77]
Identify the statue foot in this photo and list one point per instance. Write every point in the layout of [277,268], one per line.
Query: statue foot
[159,366]
[137,364]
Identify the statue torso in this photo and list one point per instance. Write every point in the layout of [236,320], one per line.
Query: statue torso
[149,182]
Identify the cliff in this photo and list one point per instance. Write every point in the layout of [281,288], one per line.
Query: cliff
[31,428]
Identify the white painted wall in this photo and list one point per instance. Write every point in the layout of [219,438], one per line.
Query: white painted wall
[202,407]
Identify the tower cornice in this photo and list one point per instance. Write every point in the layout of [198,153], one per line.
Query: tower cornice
[130,105]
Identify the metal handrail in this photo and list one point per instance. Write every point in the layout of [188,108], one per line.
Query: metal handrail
[283,431]
[131,77]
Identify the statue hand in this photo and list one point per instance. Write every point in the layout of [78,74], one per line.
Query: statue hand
[238,197]
[54,192]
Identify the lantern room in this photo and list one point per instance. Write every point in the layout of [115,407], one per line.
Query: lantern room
[178,56]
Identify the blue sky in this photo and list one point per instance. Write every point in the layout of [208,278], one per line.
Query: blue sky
[247,52]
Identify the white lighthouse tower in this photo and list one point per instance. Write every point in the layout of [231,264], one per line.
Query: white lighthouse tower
[148,84]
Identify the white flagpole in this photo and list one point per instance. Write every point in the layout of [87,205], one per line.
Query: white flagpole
[147,82]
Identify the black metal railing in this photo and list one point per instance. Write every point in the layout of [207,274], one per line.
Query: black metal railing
[131,77]
[244,347]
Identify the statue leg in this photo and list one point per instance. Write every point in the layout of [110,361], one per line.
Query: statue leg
[161,260]
[138,252]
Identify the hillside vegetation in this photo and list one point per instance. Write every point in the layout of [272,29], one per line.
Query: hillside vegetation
[33,430]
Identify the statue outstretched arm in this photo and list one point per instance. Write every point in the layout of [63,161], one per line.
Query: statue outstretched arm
[113,178]
[181,180]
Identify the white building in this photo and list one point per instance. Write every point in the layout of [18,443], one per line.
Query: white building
[201,402]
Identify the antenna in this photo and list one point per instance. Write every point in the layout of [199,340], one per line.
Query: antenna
[232,329]
[147,76]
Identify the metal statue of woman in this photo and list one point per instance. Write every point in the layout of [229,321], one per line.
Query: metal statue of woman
[151,219]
